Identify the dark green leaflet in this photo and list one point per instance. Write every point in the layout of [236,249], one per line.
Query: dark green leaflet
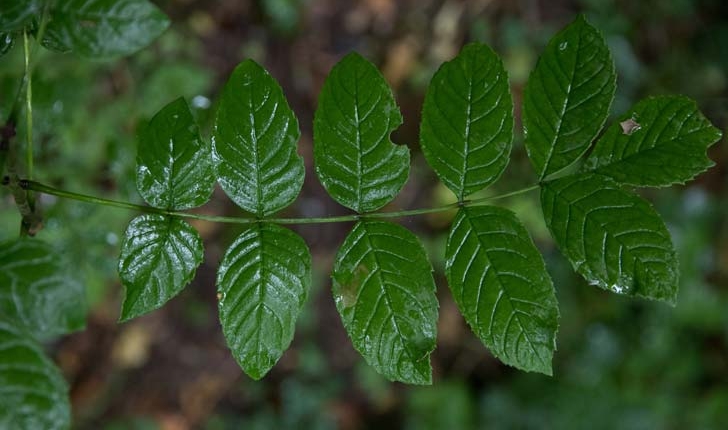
[103,28]
[37,291]
[33,393]
[159,256]
[660,141]
[567,98]
[174,164]
[263,282]
[254,146]
[385,294]
[500,283]
[355,160]
[467,121]
[612,237]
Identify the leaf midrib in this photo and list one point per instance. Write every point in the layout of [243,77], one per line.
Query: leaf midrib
[505,292]
[392,315]
[466,149]
[256,158]
[359,152]
[560,120]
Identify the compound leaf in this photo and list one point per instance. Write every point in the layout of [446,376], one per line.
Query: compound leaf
[103,28]
[500,283]
[159,256]
[254,144]
[355,159]
[15,15]
[467,120]
[174,165]
[263,281]
[567,97]
[36,290]
[612,237]
[33,393]
[385,294]
[660,141]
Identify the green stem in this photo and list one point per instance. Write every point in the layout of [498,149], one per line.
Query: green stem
[45,189]
[503,196]
[42,188]
[28,108]
[17,101]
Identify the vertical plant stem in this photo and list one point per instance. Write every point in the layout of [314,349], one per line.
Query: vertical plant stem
[28,109]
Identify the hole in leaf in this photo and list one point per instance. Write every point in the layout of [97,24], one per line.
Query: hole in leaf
[629,126]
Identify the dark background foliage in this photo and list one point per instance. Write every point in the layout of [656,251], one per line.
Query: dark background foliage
[621,363]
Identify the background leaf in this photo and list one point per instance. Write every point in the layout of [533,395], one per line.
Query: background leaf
[254,148]
[33,393]
[36,290]
[385,293]
[263,282]
[612,237]
[660,141]
[15,15]
[174,165]
[567,97]
[500,283]
[355,160]
[159,256]
[103,28]
[467,120]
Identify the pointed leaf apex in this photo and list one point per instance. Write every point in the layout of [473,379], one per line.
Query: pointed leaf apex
[567,97]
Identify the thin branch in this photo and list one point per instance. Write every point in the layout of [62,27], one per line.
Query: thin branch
[46,189]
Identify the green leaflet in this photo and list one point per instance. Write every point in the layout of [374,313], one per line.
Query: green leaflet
[159,256]
[355,160]
[467,120]
[385,294]
[660,141]
[103,28]
[33,393]
[254,145]
[612,237]
[263,282]
[500,283]
[567,97]
[15,15]
[37,291]
[174,165]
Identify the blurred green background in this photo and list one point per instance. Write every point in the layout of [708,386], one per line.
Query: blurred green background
[620,363]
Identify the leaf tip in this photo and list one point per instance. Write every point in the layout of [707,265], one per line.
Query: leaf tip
[421,373]
[128,311]
[354,56]
[257,365]
[581,20]
[248,62]
[255,374]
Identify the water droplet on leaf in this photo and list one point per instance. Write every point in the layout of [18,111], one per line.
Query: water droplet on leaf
[201,102]
[617,288]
